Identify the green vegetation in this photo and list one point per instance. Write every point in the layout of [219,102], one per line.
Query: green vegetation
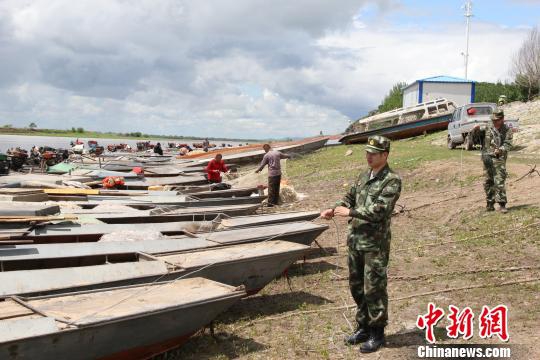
[490,92]
[394,99]
[79,132]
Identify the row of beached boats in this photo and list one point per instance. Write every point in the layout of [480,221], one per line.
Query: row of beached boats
[92,273]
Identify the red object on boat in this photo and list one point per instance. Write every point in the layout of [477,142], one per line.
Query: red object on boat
[138,170]
[112,181]
[471,111]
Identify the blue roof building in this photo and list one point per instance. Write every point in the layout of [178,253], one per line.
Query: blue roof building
[460,91]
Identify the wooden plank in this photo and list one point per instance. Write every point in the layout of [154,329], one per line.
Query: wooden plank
[23,219]
[10,309]
[72,191]
[26,327]
[101,306]
[17,282]
[19,191]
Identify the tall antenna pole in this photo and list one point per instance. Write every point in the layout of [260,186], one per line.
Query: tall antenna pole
[468,14]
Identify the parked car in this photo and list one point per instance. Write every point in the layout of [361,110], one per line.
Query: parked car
[466,117]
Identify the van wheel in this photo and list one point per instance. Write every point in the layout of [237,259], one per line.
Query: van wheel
[450,143]
[468,143]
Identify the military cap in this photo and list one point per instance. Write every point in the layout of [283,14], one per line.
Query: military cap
[378,144]
[497,114]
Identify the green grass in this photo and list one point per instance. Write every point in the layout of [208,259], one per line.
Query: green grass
[332,164]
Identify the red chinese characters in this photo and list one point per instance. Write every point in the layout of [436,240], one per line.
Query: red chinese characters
[429,320]
[461,322]
[491,322]
[494,322]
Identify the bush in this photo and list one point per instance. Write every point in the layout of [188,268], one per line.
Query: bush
[490,92]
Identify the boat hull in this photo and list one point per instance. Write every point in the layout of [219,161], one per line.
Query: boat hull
[137,337]
[400,131]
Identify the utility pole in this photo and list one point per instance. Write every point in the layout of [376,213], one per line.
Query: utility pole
[468,14]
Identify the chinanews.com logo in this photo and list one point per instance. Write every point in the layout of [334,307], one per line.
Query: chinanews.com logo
[492,322]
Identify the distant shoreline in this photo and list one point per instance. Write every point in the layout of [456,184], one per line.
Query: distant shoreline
[100,135]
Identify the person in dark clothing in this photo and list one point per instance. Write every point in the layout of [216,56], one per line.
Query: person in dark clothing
[158,150]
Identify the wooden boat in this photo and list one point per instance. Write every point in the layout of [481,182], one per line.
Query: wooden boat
[166,214]
[252,265]
[143,184]
[257,155]
[235,192]
[128,323]
[301,232]
[298,232]
[180,201]
[404,122]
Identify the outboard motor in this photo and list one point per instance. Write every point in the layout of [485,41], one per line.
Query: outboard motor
[4,164]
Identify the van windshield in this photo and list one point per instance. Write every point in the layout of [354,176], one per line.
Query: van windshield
[479,110]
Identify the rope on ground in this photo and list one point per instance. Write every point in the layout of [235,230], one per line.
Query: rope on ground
[403,208]
[339,308]
[469,238]
[531,171]
[454,273]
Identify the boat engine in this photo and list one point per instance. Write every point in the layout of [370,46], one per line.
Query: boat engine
[18,158]
[4,164]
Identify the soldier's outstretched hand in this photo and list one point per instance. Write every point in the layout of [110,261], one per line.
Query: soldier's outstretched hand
[327,214]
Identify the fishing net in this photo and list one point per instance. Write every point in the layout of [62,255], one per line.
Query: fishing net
[131,235]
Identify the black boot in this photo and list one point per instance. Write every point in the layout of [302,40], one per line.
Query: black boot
[490,207]
[360,335]
[375,340]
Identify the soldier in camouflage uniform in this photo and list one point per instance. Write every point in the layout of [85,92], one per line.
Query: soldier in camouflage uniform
[497,143]
[369,204]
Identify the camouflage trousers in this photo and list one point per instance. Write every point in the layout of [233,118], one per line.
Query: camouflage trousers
[367,282]
[494,179]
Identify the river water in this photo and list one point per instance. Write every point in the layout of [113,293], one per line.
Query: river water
[26,142]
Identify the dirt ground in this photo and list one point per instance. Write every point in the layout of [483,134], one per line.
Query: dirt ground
[443,244]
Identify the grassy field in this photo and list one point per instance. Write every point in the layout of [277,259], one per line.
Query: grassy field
[445,249]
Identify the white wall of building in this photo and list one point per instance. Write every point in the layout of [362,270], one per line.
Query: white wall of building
[410,95]
[459,93]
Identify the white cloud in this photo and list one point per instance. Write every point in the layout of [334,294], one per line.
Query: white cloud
[243,68]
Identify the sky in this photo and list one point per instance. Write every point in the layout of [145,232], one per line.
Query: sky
[237,68]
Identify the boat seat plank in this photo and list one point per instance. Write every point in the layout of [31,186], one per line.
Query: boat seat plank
[232,253]
[99,306]
[268,232]
[19,328]
[11,309]
[16,282]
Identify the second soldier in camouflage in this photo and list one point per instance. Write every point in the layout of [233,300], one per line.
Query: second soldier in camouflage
[497,143]
[369,204]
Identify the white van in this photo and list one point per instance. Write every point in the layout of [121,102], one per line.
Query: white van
[466,117]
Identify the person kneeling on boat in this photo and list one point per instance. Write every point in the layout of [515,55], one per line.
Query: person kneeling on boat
[214,169]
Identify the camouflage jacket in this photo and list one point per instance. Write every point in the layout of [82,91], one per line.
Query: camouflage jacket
[501,139]
[371,203]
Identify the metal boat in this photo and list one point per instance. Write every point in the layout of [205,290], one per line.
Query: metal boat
[130,322]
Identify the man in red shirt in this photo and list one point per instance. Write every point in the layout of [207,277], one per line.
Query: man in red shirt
[214,169]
